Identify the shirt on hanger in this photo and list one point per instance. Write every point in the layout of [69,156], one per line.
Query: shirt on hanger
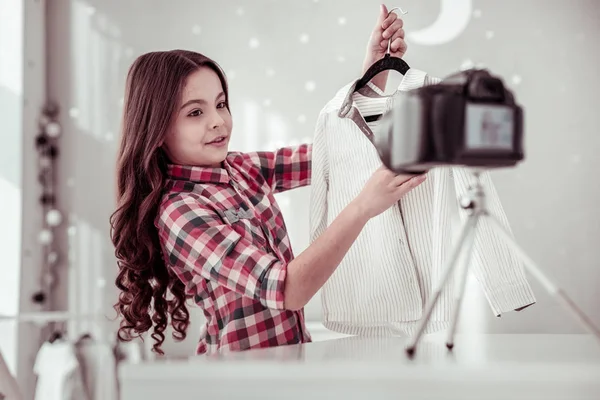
[98,369]
[58,373]
[387,276]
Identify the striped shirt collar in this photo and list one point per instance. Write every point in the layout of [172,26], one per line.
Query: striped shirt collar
[369,90]
[412,79]
[349,110]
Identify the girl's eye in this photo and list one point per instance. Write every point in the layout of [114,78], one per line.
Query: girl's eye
[222,105]
[195,113]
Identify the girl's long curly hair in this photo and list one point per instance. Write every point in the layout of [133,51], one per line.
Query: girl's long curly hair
[149,292]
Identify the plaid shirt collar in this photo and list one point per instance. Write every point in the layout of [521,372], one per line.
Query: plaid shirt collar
[198,174]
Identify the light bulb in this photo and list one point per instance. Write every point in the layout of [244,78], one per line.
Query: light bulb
[53,129]
[45,236]
[54,218]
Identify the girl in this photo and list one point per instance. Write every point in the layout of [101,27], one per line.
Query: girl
[195,221]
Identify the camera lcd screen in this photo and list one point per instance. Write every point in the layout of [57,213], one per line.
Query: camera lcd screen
[489,127]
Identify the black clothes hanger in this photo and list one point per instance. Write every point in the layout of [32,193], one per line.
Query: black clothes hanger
[56,335]
[387,63]
[83,338]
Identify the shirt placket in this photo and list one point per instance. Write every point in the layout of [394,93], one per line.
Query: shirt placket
[243,194]
[355,115]
[241,199]
[245,198]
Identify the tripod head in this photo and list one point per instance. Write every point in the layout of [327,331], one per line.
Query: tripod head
[474,201]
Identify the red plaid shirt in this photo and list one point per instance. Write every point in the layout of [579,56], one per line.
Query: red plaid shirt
[223,235]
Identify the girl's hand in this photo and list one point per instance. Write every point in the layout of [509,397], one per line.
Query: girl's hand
[383,190]
[386,27]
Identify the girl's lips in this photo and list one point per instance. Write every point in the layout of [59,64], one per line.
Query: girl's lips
[219,141]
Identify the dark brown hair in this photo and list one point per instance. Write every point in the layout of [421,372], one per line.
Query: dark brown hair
[152,96]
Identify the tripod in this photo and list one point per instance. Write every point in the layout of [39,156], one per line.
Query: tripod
[474,202]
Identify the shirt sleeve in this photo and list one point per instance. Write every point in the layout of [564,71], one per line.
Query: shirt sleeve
[320,181]
[495,265]
[285,169]
[197,241]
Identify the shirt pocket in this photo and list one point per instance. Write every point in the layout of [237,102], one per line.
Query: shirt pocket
[248,226]
[255,227]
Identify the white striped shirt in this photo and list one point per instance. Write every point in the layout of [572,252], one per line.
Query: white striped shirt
[384,281]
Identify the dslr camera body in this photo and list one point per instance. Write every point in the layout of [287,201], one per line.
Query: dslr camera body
[469,119]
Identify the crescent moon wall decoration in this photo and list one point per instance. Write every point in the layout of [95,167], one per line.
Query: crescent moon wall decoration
[452,20]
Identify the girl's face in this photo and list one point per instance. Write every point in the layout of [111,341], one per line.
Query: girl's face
[200,134]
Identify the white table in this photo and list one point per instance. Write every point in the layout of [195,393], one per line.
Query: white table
[480,367]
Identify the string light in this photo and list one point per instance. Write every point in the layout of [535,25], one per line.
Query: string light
[46,143]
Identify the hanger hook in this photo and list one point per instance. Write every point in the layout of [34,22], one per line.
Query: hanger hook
[391,11]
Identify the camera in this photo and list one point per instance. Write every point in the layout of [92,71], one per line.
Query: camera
[468,119]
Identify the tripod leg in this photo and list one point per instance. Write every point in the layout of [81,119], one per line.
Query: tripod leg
[460,285]
[469,226]
[554,290]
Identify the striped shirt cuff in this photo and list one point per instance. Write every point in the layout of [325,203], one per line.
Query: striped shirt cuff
[272,286]
[511,299]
